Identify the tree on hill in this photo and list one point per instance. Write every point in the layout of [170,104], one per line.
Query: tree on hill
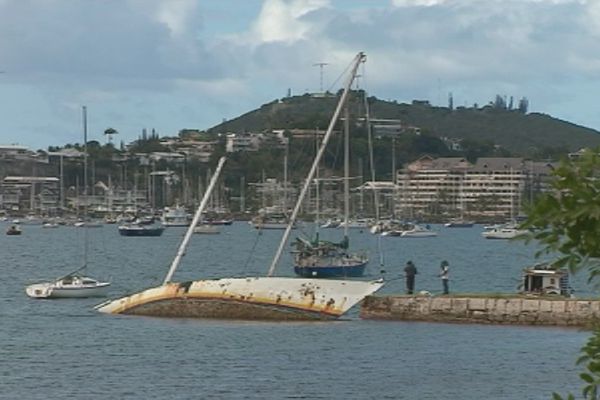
[147,143]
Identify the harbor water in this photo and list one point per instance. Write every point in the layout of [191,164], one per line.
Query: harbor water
[65,349]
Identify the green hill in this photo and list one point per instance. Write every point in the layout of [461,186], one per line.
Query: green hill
[520,134]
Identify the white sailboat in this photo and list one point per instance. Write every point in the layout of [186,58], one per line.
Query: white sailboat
[74,284]
[268,297]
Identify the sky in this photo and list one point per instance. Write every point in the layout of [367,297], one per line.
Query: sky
[189,64]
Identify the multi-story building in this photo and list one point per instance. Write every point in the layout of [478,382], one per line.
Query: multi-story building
[492,187]
[29,194]
[243,142]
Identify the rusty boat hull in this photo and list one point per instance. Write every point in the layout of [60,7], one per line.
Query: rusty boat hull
[254,298]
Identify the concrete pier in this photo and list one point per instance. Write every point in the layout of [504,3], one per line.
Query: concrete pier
[520,310]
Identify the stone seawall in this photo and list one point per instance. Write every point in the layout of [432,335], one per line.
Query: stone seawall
[484,310]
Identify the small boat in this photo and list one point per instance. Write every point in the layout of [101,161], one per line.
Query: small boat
[13,230]
[419,231]
[331,223]
[459,223]
[508,231]
[271,221]
[206,229]
[176,216]
[140,230]
[390,227]
[87,224]
[73,285]
[408,230]
[360,223]
[214,220]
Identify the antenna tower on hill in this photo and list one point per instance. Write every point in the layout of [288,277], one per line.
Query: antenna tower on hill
[320,65]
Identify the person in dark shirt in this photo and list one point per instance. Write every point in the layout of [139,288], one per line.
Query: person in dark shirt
[445,275]
[409,274]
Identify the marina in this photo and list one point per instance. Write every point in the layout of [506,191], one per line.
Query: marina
[391,355]
[272,220]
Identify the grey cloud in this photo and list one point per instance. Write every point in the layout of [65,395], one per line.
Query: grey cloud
[110,40]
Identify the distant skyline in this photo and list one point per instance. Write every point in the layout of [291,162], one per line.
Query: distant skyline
[189,64]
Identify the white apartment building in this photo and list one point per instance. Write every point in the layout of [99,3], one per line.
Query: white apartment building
[492,187]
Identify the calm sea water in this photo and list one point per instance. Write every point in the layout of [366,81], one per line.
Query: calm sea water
[54,349]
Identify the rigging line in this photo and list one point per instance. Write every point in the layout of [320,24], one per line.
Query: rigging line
[373,177]
[340,76]
[251,254]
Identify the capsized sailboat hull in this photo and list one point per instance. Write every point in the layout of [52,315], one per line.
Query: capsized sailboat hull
[260,298]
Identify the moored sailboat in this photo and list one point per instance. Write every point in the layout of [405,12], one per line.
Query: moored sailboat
[324,259]
[268,297]
[74,284]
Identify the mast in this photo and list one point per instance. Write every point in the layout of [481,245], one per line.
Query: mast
[346,170]
[285,177]
[85,187]
[360,57]
[393,211]
[371,161]
[190,231]
[317,192]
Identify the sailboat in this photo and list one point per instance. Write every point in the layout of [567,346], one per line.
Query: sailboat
[263,297]
[325,259]
[75,284]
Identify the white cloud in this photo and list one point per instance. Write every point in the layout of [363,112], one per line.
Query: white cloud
[418,3]
[281,20]
[177,14]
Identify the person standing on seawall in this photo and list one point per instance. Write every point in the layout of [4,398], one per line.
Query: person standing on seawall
[409,274]
[445,275]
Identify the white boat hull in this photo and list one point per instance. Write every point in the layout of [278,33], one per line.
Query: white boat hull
[265,298]
[51,290]
[502,234]
[418,234]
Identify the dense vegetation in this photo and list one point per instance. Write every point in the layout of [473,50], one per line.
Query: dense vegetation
[519,133]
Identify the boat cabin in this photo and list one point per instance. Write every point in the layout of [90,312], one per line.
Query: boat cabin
[542,279]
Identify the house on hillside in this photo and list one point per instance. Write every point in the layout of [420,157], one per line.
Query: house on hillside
[254,141]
